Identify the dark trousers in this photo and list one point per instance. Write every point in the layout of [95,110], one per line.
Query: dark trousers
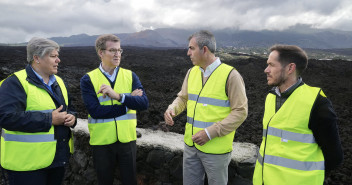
[51,176]
[105,158]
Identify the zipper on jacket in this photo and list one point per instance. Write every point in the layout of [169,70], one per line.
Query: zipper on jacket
[117,136]
[194,113]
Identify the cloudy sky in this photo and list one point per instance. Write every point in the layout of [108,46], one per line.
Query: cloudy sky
[21,20]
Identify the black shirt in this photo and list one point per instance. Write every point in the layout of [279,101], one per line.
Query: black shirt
[322,122]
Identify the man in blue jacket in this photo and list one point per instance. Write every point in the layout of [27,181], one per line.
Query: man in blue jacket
[112,95]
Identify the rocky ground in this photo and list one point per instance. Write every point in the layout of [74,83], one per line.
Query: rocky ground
[162,72]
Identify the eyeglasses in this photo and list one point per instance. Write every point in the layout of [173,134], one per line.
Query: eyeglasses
[114,51]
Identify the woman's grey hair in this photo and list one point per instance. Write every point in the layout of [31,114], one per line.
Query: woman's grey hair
[40,47]
[204,38]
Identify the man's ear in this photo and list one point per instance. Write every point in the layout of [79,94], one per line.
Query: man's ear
[100,52]
[36,58]
[205,49]
[291,68]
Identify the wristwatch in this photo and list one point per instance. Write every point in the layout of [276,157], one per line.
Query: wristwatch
[120,97]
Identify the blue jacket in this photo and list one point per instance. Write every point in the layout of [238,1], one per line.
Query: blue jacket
[98,111]
[14,117]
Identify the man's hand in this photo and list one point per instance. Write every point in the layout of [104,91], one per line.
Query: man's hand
[137,92]
[69,120]
[168,115]
[200,137]
[58,118]
[108,91]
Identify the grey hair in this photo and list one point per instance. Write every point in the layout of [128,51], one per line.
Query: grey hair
[40,47]
[204,38]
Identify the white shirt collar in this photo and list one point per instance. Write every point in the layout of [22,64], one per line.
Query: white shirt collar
[211,67]
[111,77]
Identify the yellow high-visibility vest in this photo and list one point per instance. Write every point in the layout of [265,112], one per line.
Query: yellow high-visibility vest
[288,153]
[207,105]
[23,151]
[123,128]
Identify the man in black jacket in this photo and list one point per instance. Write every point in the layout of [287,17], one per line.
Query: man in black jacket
[300,135]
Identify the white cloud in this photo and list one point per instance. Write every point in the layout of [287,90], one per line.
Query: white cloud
[20,20]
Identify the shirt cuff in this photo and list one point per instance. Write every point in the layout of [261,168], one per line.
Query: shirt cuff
[122,98]
[206,131]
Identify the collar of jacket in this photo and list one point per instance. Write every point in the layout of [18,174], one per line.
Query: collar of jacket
[33,79]
[285,94]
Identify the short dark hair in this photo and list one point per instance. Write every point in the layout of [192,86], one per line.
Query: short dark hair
[204,38]
[291,54]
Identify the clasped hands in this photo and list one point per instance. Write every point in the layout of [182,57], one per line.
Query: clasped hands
[108,91]
[62,118]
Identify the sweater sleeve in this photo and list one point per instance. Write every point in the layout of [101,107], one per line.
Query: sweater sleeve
[323,123]
[92,104]
[136,102]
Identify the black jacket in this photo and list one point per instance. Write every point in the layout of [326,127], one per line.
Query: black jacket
[14,117]
[323,123]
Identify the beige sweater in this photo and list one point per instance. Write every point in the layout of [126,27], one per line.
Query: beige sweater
[238,101]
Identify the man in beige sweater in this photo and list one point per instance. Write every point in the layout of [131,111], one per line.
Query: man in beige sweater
[215,98]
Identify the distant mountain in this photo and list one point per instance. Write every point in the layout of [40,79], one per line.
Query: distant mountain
[148,38]
[75,40]
[300,35]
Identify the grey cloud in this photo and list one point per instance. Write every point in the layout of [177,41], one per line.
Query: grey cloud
[66,18]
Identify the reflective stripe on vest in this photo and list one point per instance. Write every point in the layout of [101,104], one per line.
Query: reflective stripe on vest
[293,164]
[303,138]
[209,101]
[199,124]
[207,105]
[122,128]
[120,118]
[23,151]
[27,138]
[288,150]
